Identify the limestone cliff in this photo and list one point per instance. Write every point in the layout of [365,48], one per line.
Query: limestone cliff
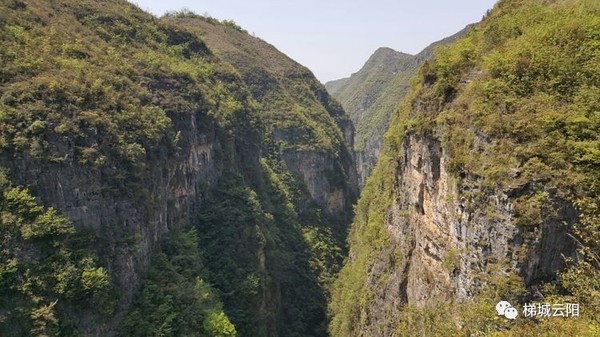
[321,153]
[135,129]
[469,203]
[440,243]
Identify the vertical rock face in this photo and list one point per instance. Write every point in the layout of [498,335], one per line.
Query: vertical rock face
[322,153]
[367,158]
[468,204]
[439,245]
[127,226]
[312,167]
[139,125]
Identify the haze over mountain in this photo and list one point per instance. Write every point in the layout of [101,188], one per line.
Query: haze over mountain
[177,176]
[333,38]
[486,188]
[370,96]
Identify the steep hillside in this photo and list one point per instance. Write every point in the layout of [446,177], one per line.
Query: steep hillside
[147,188]
[487,186]
[311,131]
[372,94]
[307,134]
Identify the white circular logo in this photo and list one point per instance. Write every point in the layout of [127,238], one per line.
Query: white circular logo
[502,306]
[511,313]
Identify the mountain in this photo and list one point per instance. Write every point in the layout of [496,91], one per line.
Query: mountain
[486,189]
[309,128]
[372,94]
[155,182]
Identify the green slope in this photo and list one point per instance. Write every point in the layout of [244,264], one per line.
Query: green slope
[292,100]
[513,107]
[376,87]
[182,212]
[371,94]
[310,135]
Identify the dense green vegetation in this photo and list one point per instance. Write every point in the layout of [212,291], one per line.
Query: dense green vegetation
[270,280]
[371,95]
[300,114]
[45,271]
[104,95]
[175,299]
[515,103]
[87,86]
[265,262]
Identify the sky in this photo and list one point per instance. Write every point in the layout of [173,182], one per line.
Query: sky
[334,38]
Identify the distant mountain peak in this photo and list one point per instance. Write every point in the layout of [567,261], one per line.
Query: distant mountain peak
[372,93]
[386,51]
[385,56]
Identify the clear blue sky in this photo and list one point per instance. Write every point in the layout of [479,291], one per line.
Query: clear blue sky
[334,38]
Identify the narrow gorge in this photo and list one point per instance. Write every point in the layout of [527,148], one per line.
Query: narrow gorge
[196,187]
[485,189]
[179,176]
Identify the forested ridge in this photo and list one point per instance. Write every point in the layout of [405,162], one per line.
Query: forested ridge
[178,176]
[370,95]
[499,137]
[150,189]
